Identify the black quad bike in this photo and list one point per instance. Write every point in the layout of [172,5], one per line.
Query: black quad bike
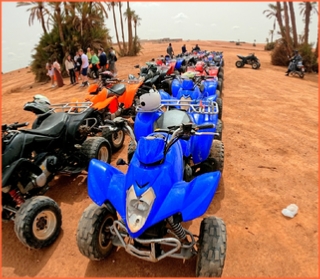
[94,118]
[57,143]
[251,59]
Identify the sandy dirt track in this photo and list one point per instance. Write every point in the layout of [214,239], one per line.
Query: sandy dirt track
[271,160]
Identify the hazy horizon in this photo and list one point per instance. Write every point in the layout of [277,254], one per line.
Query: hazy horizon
[219,21]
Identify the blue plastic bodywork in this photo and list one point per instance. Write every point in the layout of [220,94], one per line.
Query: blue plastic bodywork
[172,194]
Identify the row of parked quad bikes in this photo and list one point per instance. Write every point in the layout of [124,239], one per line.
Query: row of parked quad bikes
[175,162]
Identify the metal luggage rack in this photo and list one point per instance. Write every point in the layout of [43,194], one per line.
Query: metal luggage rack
[206,107]
[72,107]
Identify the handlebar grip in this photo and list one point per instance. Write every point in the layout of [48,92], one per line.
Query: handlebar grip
[19,125]
[205,126]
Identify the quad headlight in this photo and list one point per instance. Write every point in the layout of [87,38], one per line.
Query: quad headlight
[138,208]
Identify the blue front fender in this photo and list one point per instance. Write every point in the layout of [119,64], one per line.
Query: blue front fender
[106,183]
[190,199]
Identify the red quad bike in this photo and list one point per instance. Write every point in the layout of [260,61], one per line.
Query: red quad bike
[203,70]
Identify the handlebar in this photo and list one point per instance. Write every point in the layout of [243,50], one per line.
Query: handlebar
[14,126]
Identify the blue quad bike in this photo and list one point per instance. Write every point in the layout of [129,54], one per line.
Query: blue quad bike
[142,210]
[156,111]
[197,88]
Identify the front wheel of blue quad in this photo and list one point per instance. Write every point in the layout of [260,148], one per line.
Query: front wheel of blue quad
[93,233]
[212,247]
[217,155]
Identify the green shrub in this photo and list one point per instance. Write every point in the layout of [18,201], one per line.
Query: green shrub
[308,57]
[279,55]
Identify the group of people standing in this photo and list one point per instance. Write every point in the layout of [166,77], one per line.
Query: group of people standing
[170,51]
[78,66]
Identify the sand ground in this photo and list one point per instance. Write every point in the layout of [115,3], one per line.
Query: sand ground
[271,160]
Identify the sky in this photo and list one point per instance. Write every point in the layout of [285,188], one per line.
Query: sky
[225,21]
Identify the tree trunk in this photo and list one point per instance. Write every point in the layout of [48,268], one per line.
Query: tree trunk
[287,26]
[42,22]
[279,19]
[316,54]
[115,26]
[293,23]
[130,51]
[307,22]
[122,31]
[59,22]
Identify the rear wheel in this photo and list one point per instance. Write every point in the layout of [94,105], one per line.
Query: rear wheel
[217,153]
[97,148]
[219,102]
[239,64]
[38,222]
[93,233]
[219,130]
[218,93]
[212,247]
[115,139]
[255,65]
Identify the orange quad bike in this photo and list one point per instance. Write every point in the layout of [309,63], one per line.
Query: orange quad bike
[118,100]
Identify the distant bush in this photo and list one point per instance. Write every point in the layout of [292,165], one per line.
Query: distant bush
[269,46]
[279,55]
[308,57]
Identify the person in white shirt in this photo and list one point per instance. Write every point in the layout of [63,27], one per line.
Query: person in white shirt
[84,68]
[69,64]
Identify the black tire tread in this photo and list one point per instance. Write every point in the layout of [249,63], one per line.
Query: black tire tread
[87,230]
[212,247]
[24,218]
[220,106]
[217,153]
[131,150]
[90,146]
[107,134]
[219,130]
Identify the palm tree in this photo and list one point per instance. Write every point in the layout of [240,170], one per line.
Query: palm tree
[38,11]
[57,18]
[136,21]
[122,30]
[128,16]
[293,23]
[306,9]
[274,11]
[111,6]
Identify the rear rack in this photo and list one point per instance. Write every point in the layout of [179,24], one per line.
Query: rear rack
[203,107]
[72,107]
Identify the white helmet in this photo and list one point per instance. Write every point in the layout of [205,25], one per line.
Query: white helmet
[41,99]
[150,101]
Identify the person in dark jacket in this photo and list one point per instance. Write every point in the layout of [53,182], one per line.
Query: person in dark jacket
[103,59]
[184,49]
[111,59]
[196,48]
[296,57]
